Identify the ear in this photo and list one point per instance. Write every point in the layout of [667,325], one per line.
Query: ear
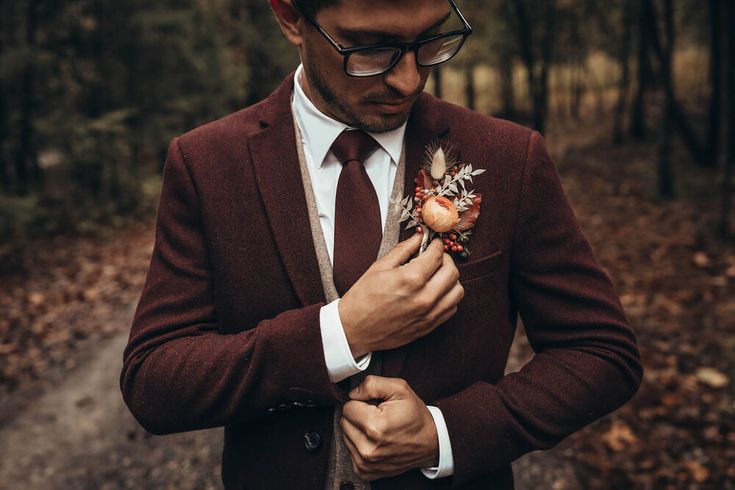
[290,20]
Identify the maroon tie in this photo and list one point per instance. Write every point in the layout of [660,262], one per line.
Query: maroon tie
[357,228]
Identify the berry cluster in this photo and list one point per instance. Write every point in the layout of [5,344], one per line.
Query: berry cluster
[419,198]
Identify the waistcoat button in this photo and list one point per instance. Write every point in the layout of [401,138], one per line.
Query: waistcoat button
[312,441]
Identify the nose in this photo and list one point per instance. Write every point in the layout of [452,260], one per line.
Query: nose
[404,76]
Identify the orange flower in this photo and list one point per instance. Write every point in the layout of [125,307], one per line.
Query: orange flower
[440,214]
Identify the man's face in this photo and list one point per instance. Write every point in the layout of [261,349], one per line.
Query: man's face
[379,103]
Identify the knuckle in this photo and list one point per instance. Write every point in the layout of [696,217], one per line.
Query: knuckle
[374,430]
[411,279]
[423,303]
[371,455]
[455,273]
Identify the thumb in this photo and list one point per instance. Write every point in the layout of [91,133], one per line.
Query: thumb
[377,387]
[402,252]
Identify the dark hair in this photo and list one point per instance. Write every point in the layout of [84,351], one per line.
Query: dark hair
[311,7]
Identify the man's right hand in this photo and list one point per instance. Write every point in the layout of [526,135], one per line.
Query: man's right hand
[397,301]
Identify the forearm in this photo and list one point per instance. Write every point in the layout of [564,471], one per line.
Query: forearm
[556,394]
[195,377]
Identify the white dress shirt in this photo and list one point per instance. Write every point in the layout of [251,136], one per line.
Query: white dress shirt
[318,132]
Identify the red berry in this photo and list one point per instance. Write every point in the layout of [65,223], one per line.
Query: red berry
[446,241]
[460,248]
[446,248]
[454,248]
[453,236]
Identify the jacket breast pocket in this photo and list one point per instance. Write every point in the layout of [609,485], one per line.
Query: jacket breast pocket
[476,269]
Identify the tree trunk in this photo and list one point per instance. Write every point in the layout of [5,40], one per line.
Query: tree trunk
[576,91]
[624,83]
[638,114]
[541,107]
[727,181]
[715,61]
[665,166]
[507,93]
[538,86]
[436,73]
[470,86]
[4,109]
[680,121]
[27,170]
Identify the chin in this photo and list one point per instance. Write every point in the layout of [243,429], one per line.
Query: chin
[381,123]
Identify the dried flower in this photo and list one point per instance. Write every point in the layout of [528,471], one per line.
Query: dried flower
[438,164]
[440,214]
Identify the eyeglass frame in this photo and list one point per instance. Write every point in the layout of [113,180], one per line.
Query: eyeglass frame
[404,47]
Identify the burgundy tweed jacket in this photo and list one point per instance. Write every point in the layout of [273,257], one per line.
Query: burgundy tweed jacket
[227,329]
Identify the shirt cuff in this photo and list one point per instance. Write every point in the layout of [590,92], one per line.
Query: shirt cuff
[337,353]
[446,460]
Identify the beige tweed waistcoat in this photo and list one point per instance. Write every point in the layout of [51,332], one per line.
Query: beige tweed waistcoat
[340,463]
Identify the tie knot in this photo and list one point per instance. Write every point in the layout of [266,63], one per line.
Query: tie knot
[353,145]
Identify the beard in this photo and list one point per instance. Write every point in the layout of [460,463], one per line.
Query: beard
[342,111]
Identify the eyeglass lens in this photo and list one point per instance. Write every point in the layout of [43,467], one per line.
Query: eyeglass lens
[377,60]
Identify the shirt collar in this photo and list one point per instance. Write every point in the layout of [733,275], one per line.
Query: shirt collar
[320,130]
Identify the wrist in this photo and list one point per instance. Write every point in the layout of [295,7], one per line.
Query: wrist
[357,347]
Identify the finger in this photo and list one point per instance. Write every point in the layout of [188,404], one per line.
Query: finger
[401,253]
[359,413]
[425,265]
[447,305]
[361,467]
[379,387]
[443,280]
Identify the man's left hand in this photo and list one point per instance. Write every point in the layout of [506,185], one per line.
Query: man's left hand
[392,437]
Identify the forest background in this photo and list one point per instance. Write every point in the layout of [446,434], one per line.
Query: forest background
[636,99]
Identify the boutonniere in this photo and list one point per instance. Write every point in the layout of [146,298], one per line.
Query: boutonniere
[441,205]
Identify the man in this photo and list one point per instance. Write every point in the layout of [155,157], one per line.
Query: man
[266,301]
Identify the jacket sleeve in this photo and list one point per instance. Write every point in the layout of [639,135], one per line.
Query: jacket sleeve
[180,372]
[586,361]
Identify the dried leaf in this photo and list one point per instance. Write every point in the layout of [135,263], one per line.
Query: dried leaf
[468,218]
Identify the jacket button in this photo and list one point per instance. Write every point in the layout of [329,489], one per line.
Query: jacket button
[312,441]
[346,485]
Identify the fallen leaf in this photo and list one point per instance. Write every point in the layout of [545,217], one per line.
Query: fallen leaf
[712,377]
[619,437]
[697,470]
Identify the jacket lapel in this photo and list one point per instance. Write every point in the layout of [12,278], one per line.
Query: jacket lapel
[275,162]
[276,167]
[424,126]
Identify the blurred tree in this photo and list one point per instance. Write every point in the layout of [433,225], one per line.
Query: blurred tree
[101,86]
[665,165]
[626,20]
[729,170]
[536,29]
[638,113]
[715,61]
[265,52]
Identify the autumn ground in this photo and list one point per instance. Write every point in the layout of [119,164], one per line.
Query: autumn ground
[66,305]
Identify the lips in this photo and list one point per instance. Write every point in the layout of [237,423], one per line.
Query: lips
[400,106]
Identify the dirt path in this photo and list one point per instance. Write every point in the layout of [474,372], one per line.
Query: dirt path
[78,434]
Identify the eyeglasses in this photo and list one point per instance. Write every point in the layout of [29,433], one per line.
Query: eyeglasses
[376,59]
